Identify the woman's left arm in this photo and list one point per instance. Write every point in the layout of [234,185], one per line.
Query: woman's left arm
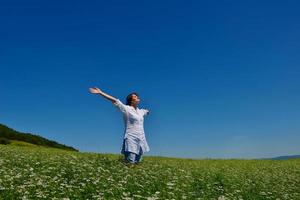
[146,112]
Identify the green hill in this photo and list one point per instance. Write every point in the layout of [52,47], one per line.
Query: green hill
[49,173]
[13,137]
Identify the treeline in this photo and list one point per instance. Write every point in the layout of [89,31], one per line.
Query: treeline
[7,134]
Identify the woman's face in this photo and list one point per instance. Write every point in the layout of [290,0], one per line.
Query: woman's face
[135,99]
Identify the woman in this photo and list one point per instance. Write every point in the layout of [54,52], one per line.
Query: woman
[134,143]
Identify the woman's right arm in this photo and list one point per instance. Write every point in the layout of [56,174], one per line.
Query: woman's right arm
[95,90]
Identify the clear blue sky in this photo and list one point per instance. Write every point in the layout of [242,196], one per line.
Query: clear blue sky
[221,78]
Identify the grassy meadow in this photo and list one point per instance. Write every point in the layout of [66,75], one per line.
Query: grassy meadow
[28,172]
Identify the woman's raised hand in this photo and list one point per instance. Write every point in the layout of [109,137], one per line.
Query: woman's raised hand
[95,90]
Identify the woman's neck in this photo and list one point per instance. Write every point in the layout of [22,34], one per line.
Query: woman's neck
[134,106]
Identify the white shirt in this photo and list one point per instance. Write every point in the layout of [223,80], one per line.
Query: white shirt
[134,127]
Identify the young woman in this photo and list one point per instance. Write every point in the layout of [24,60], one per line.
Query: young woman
[134,143]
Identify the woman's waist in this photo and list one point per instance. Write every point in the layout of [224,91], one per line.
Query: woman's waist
[135,135]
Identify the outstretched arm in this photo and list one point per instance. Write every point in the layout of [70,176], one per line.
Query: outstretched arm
[95,90]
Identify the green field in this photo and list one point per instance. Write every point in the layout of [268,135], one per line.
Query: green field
[48,173]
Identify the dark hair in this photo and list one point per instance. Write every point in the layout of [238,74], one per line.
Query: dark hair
[129,98]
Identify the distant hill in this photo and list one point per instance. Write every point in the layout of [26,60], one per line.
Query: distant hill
[10,136]
[282,157]
[286,157]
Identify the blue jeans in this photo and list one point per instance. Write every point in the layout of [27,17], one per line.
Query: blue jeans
[132,157]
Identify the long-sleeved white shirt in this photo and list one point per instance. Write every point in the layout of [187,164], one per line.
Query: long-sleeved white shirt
[134,134]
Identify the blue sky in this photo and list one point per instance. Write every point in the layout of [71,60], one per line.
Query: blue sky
[221,78]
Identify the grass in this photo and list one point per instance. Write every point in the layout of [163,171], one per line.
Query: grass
[48,173]
[21,143]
